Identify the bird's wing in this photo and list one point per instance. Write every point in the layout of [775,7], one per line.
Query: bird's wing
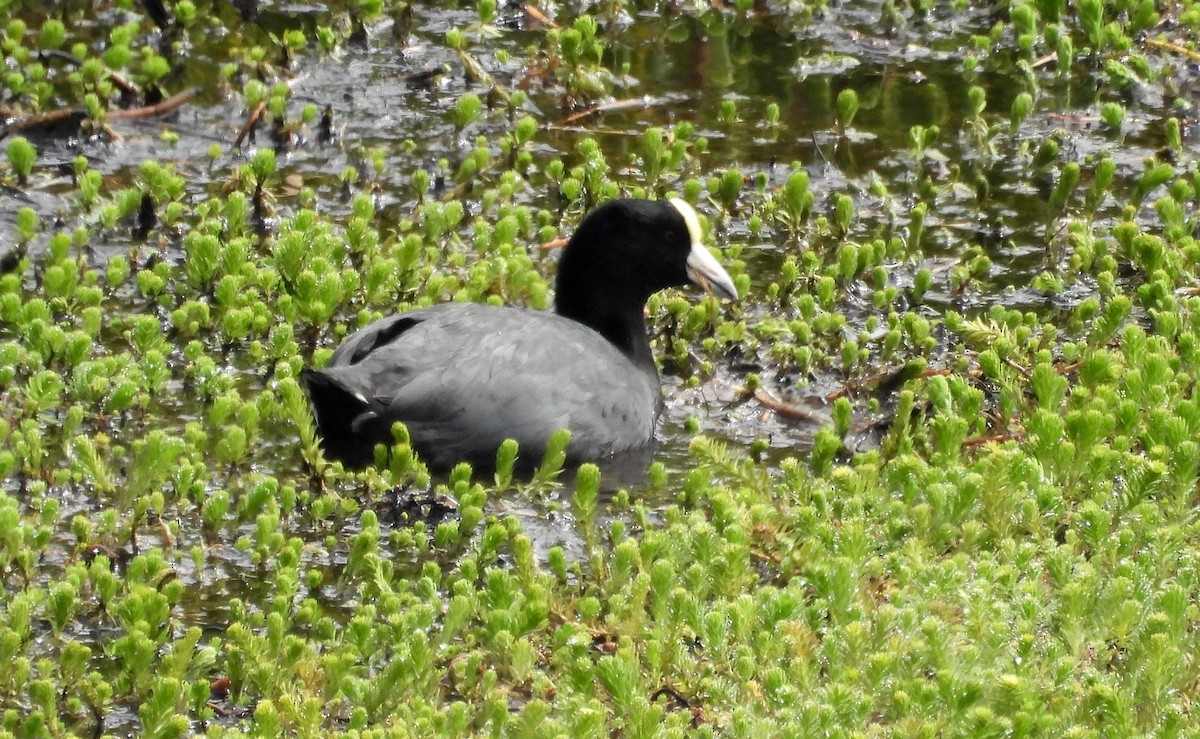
[462,389]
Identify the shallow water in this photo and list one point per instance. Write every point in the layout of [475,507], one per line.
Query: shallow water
[395,98]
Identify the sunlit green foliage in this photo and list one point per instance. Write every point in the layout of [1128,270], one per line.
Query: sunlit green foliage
[933,475]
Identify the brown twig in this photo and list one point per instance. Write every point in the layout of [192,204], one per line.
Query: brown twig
[539,16]
[833,395]
[1020,370]
[253,119]
[1174,47]
[881,382]
[1043,61]
[127,86]
[76,116]
[988,438]
[177,100]
[170,540]
[646,101]
[774,559]
[784,408]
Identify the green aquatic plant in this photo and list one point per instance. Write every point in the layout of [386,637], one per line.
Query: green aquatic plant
[28,225]
[575,53]
[1155,175]
[484,28]
[1113,115]
[1064,187]
[920,140]
[771,115]
[796,201]
[466,110]
[728,112]
[726,189]
[978,431]
[1102,180]
[847,109]
[553,459]
[22,156]
[1022,106]
[843,212]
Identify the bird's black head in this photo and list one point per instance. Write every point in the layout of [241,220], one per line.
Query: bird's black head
[625,251]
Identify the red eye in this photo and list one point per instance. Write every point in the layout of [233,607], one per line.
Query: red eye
[669,236]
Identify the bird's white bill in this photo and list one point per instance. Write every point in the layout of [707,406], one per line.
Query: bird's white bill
[702,267]
[704,270]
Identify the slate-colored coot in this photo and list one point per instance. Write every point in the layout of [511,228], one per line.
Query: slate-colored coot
[465,377]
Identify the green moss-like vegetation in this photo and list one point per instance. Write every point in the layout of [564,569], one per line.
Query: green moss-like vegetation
[935,474]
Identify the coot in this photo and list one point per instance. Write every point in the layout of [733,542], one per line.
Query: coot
[464,377]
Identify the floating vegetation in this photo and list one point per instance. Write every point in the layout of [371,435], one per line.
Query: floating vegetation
[934,475]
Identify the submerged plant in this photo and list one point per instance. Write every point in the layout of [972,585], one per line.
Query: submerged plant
[946,432]
[21,157]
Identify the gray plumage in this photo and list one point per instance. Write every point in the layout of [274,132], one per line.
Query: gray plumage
[467,391]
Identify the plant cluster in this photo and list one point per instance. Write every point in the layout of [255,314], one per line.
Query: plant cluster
[989,530]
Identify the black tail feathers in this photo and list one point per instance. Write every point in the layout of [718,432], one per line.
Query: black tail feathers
[349,425]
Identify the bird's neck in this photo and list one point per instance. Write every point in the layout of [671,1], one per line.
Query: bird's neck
[623,326]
